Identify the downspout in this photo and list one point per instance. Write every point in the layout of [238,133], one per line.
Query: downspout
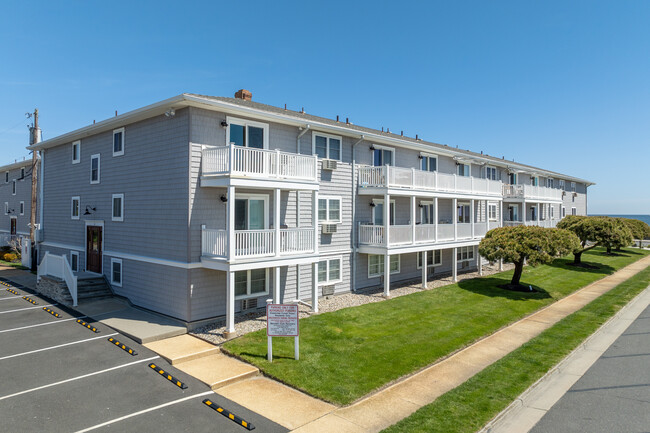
[354,214]
[302,132]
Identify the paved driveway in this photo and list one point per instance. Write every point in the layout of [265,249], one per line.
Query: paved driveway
[58,376]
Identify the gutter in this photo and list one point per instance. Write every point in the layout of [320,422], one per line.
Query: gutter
[354,213]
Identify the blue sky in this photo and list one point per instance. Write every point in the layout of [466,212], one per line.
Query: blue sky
[560,85]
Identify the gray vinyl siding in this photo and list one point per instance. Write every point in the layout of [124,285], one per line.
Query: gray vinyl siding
[23,193]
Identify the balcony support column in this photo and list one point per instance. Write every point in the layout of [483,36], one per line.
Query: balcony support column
[455,218]
[230,304]
[386,275]
[413,219]
[500,265]
[387,219]
[276,285]
[437,220]
[424,268]
[471,215]
[230,223]
[314,287]
[454,266]
[276,220]
[539,210]
[314,218]
[480,261]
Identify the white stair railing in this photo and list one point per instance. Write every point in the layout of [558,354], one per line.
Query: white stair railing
[58,266]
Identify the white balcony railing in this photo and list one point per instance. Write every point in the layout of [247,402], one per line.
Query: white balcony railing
[410,178]
[425,233]
[258,163]
[445,232]
[532,192]
[58,266]
[400,235]
[257,243]
[464,230]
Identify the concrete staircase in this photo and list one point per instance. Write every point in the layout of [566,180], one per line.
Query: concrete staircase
[89,288]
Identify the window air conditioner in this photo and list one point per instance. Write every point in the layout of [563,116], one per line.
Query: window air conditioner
[248,304]
[329,164]
[329,228]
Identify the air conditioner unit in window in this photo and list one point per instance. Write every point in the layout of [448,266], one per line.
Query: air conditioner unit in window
[329,164]
[329,228]
[327,290]
[248,304]
[464,265]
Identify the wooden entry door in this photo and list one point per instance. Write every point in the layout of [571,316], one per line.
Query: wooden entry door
[94,249]
[13,226]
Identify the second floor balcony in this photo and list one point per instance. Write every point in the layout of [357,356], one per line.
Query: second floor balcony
[419,234]
[532,192]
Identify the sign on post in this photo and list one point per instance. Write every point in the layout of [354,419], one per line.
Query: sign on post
[282,321]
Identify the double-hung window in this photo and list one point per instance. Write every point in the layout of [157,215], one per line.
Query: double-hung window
[382,156]
[251,283]
[429,162]
[549,183]
[574,211]
[329,271]
[463,213]
[76,152]
[376,265]
[434,258]
[327,146]
[118,142]
[534,180]
[13,187]
[573,187]
[6,208]
[74,208]
[118,207]
[116,272]
[22,173]
[492,212]
[491,173]
[464,253]
[329,209]
[22,208]
[463,169]
[95,169]
[562,185]
[428,214]
[552,210]
[247,133]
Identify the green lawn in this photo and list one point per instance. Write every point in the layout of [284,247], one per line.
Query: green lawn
[351,352]
[14,265]
[470,406]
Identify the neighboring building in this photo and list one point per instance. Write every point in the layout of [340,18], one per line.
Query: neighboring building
[16,200]
[183,223]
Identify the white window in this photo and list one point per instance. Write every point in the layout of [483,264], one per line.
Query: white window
[378,212]
[552,210]
[429,162]
[118,142]
[13,187]
[463,212]
[116,272]
[6,177]
[491,173]
[329,209]
[563,211]
[512,178]
[492,212]
[74,261]
[549,183]
[573,187]
[463,169]
[326,146]
[376,265]
[561,183]
[74,208]
[329,271]
[6,208]
[76,152]
[251,283]
[118,207]
[22,173]
[251,212]
[247,133]
[428,212]
[434,258]
[95,169]
[22,208]
[534,180]
[382,155]
[464,253]
[574,211]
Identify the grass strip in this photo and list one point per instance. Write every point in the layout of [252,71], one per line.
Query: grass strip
[348,353]
[473,404]
[13,265]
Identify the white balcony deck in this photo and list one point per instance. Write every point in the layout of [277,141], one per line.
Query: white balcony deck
[245,163]
[254,244]
[532,193]
[421,234]
[541,223]
[425,181]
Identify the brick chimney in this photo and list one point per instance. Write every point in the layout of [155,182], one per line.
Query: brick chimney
[244,94]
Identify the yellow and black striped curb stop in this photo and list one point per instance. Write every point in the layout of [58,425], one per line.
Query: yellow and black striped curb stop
[168,376]
[30,300]
[54,313]
[13,291]
[124,347]
[228,414]
[92,328]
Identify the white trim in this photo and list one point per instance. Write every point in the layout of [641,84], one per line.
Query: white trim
[496,172]
[380,147]
[429,253]
[98,223]
[496,211]
[248,294]
[78,144]
[99,168]
[399,265]
[72,199]
[121,217]
[428,155]
[113,282]
[563,212]
[74,253]
[377,201]
[117,131]
[22,173]
[469,249]
[6,177]
[21,208]
[327,199]
[248,197]
[245,123]
[574,210]
[327,261]
[328,137]
[464,163]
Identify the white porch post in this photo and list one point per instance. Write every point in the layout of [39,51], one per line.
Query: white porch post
[455,218]
[314,219]
[454,266]
[314,287]
[480,261]
[386,275]
[230,304]
[424,268]
[276,220]
[437,220]
[500,265]
[539,209]
[387,219]
[276,285]
[501,213]
[471,215]
[412,219]
[230,223]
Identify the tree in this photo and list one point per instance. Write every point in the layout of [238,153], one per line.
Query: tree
[534,245]
[591,231]
[639,229]
[620,237]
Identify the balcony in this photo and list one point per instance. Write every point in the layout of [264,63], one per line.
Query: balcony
[552,223]
[407,235]
[532,193]
[254,244]
[419,180]
[250,164]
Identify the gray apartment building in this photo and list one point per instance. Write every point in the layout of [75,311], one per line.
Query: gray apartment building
[201,207]
[16,200]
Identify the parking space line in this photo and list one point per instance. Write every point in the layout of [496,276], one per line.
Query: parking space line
[28,308]
[40,324]
[9,298]
[169,403]
[78,378]
[53,347]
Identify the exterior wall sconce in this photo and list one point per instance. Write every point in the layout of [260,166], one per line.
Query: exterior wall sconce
[224,124]
[420,205]
[372,147]
[223,198]
[372,204]
[420,156]
[89,210]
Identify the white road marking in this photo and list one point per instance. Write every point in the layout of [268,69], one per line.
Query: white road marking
[41,324]
[78,378]
[9,298]
[170,403]
[28,308]
[56,347]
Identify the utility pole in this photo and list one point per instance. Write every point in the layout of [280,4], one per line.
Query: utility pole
[34,137]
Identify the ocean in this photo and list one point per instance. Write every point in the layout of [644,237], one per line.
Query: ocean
[644,218]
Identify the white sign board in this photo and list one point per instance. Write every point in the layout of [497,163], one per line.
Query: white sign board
[282,320]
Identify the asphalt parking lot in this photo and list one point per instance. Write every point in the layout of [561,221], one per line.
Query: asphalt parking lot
[58,376]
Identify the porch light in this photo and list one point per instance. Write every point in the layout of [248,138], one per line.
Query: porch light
[224,124]
[420,156]
[223,198]
[372,147]
[372,204]
[420,205]
[89,209]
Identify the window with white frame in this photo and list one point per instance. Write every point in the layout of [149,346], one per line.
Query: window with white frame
[464,253]
[552,211]
[573,187]
[116,272]
[6,208]
[512,178]
[574,211]
[463,212]
[428,212]
[13,187]
[491,173]
[22,173]
[563,210]
[76,152]
[326,146]
[434,258]
[492,212]
[534,180]
[376,265]
[549,183]
[251,283]
[118,207]
[463,169]
[6,177]
[247,133]
[329,271]
[329,209]
[74,210]
[378,212]
[561,182]
[429,162]
[382,156]
[22,208]
[118,142]
[74,261]
[95,169]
